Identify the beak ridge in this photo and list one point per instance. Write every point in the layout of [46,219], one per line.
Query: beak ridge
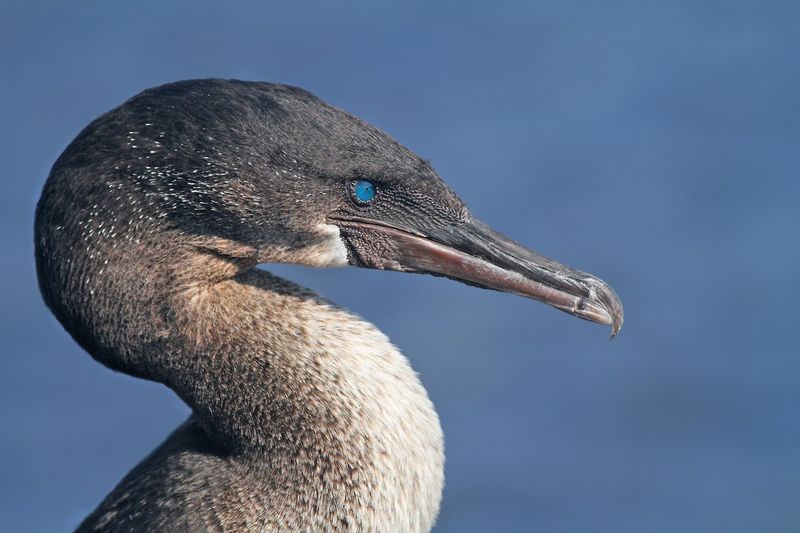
[474,253]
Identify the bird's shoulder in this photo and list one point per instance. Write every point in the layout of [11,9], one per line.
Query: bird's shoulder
[186,484]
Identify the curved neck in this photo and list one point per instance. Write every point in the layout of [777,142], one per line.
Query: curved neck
[299,389]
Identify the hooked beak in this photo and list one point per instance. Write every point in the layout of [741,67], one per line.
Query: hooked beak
[474,253]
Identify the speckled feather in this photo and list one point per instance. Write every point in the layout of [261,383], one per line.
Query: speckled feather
[148,230]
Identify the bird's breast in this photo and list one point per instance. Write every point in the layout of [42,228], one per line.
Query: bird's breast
[339,416]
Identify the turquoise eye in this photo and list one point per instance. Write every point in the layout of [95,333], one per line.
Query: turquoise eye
[364,191]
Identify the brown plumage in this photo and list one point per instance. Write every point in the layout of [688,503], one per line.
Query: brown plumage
[305,417]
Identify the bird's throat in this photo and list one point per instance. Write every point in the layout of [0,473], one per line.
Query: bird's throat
[322,396]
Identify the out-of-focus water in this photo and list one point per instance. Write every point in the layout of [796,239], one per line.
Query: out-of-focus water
[655,144]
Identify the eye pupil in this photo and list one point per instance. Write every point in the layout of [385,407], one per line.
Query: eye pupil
[364,191]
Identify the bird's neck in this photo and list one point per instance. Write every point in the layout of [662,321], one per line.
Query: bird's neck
[304,392]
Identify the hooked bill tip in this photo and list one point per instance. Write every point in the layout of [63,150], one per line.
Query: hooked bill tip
[617,319]
[604,307]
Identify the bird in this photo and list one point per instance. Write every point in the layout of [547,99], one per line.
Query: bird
[151,236]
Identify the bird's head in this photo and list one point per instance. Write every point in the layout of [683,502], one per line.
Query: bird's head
[273,171]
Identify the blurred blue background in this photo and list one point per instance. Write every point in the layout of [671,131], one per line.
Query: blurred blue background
[655,144]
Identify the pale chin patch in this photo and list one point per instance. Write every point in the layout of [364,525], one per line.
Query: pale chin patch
[326,249]
[330,251]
